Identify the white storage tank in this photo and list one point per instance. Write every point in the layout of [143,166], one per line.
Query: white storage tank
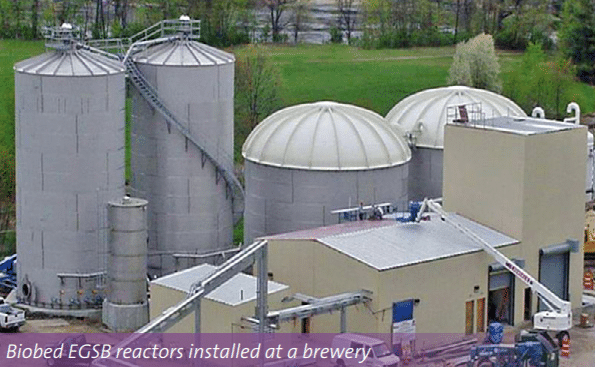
[423,115]
[304,161]
[69,109]
[190,206]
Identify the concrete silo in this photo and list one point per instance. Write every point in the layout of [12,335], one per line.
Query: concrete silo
[304,161]
[422,117]
[69,109]
[191,208]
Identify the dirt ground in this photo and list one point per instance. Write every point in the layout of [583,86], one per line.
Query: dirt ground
[59,325]
[582,348]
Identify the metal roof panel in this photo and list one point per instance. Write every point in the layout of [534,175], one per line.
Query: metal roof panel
[229,293]
[404,244]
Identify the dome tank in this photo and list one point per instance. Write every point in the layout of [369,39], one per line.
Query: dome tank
[423,115]
[69,111]
[190,207]
[304,161]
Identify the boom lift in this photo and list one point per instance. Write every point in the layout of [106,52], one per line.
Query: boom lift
[559,316]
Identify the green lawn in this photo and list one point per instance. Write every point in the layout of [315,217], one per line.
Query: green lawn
[375,79]
[11,51]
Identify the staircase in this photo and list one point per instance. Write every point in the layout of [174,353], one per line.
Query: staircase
[224,169]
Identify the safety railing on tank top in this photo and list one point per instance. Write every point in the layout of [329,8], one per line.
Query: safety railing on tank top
[163,29]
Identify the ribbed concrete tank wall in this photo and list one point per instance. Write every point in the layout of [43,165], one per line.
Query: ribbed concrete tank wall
[69,108]
[304,161]
[422,117]
[126,308]
[190,210]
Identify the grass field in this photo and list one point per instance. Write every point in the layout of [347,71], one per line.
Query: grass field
[11,51]
[375,79]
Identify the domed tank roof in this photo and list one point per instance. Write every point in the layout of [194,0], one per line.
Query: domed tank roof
[424,114]
[183,53]
[73,62]
[325,136]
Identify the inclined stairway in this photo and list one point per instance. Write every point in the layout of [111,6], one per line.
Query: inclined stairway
[223,170]
[171,31]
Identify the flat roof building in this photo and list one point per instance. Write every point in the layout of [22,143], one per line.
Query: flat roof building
[222,309]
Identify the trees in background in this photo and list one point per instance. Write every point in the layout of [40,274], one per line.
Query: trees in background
[299,16]
[347,16]
[405,23]
[275,9]
[541,81]
[577,37]
[257,85]
[475,64]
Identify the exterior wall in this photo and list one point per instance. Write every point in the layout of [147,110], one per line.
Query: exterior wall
[216,317]
[425,173]
[190,210]
[528,187]
[312,268]
[442,291]
[70,163]
[280,200]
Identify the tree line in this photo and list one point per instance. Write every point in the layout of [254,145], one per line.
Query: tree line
[379,23]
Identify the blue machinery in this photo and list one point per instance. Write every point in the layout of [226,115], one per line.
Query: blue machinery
[8,272]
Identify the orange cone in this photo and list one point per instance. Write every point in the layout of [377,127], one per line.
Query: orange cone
[565,348]
[406,353]
[588,280]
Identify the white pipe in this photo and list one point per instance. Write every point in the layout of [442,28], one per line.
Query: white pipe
[538,113]
[573,106]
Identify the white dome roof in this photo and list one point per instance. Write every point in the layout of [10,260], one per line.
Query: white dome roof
[424,114]
[325,136]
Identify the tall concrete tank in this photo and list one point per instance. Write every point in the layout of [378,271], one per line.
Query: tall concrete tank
[422,117]
[126,308]
[304,161]
[69,109]
[190,207]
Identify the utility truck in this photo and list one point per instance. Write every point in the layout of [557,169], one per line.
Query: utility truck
[10,318]
[559,316]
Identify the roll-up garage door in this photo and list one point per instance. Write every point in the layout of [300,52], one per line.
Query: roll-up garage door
[553,271]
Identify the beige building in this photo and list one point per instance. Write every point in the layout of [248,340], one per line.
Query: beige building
[222,309]
[431,263]
[520,181]
[524,177]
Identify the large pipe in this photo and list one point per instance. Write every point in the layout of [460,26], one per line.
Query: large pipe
[573,106]
[538,113]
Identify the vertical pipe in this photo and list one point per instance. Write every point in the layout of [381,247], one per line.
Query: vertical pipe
[343,320]
[261,288]
[197,318]
[197,341]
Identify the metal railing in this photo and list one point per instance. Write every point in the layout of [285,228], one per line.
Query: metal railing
[190,29]
[468,113]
